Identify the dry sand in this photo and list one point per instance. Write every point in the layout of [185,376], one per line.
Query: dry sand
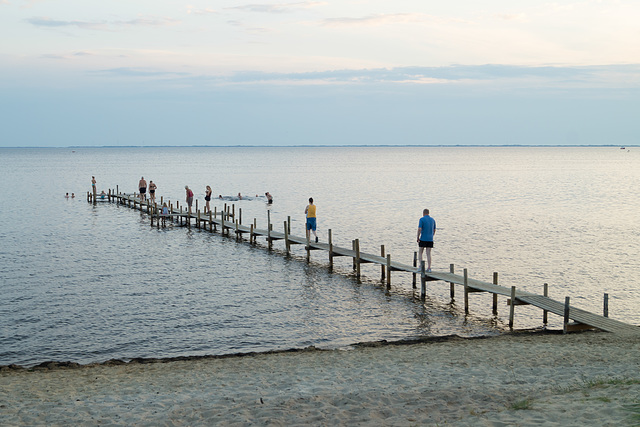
[571,380]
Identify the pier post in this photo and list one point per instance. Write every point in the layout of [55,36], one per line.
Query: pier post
[240,216]
[287,244]
[545,313]
[512,307]
[382,268]
[308,247]
[251,236]
[423,281]
[269,236]
[210,222]
[565,323]
[94,194]
[495,296]
[330,248]
[357,257]
[452,286]
[388,271]
[198,220]
[605,309]
[415,265]
[289,223]
[353,248]
[238,236]
[215,217]
[466,291]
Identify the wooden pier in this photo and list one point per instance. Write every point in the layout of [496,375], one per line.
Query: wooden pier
[228,221]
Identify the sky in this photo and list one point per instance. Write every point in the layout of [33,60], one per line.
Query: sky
[348,72]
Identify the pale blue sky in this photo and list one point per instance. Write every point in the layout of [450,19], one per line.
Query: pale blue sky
[356,72]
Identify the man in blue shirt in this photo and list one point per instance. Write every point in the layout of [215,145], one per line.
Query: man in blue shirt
[426,231]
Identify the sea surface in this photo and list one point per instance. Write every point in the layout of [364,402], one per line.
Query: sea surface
[87,283]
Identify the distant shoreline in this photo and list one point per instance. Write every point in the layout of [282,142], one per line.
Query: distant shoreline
[74,147]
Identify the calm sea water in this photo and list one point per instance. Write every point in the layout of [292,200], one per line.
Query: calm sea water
[88,283]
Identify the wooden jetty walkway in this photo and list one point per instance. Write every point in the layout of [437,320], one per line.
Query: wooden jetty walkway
[229,221]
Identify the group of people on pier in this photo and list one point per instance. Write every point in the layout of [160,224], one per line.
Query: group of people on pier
[426,224]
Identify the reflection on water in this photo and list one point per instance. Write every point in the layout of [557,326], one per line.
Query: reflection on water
[88,283]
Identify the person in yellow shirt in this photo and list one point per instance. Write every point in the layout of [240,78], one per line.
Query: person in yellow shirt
[310,211]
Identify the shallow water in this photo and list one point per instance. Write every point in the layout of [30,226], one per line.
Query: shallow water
[87,283]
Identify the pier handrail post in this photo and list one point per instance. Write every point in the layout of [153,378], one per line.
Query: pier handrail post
[415,265]
[545,313]
[357,258]
[289,223]
[287,244]
[210,221]
[466,291]
[605,308]
[240,216]
[237,230]
[251,236]
[512,307]
[423,280]
[388,271]
[565,323]
[495,296]
[215,217]
[382,268]
[452,286]
[330,248]
[198,220]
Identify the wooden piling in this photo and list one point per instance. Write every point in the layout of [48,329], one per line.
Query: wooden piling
[545,313]
[423,281]
[466,291]
[382,267]
[287,243]
[512,307]
[415,264]
[605,308]
[565,323]
[388,271]
[357,257]
[330,248]
[452,287]
[495,296]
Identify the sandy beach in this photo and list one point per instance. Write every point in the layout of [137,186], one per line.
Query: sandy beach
[516,379]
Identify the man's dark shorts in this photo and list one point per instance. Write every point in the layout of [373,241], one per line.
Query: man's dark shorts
[425,244]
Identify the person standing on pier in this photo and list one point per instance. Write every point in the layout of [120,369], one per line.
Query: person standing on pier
[142,185]
[93,183]
[207,198]
[152,191]
[310,211]
[426,231]
[189,196]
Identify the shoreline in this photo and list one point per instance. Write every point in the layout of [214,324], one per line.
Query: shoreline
[590,378]
[67,364]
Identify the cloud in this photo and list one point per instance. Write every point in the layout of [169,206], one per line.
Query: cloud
[47,22]
[378,19]
[138,72]
[206,11]
[278,8]
[68,56]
